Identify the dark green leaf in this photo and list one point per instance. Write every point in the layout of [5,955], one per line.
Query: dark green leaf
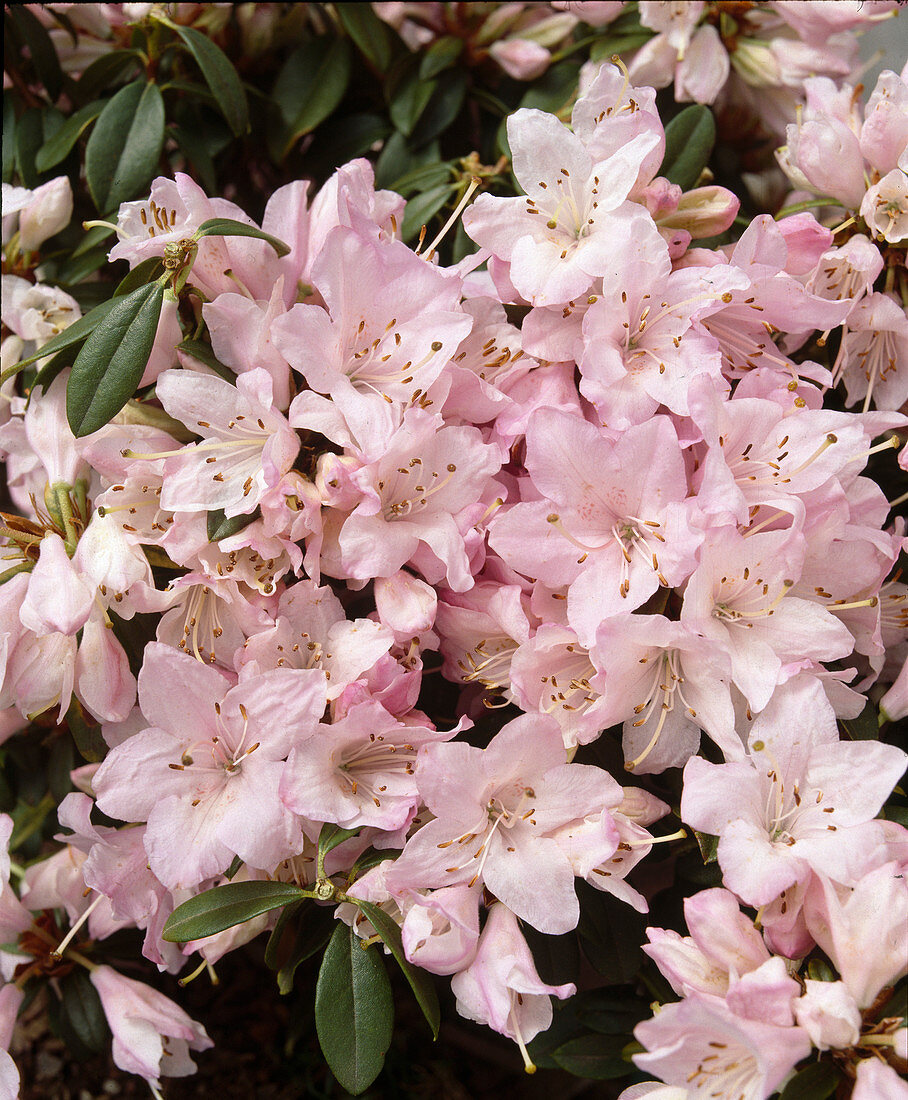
[557,958]
[29,139]
[333,835]
[611,933]
[43,53]
[220,76]
[597,1057]
[609,1013]
[371,858]
[49,371]
[92,238]
[440,55]
[75,334]
[200,350]
[354,1010]
[420,980]
[198,156]
[421,179]
[113,359]
[603,49]
[53,151]
[9,136]
[224,906]
[409,97]
[310,86]
[818,970]
[898,814]
[146,271]
[272,948]
[222,527]
[227,227]
[354,135]
[866,727]
[443,107]
[397,159]
[299,934]
[896,1006]
[689,139]
[814,1082]
[709,846]
[86,734]
[60,762]
[80,1017]
[124,149]
[554,89]
[422,208]
[106,70]
[76,269]
[371,35]
[234,867]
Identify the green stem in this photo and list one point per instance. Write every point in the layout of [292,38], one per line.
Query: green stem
[810,204]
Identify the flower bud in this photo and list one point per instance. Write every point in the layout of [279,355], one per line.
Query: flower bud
[48,212]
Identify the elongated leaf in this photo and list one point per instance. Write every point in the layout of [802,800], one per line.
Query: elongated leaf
[595,1056]
[420,980]
[220,76]
[34,35]
[86,734]
[123,151]
[298,934]
[333,835]
[77,333]
[200,350]
[227,227]
[689,140]
[814,1082]
[371,35]
[144,272]
[29,135]
[222,527]
[440,55]
[80,1018]
[424,207]
[113,359]
[272,948]
[310,86]
[866,727]
[354,1010]
[53,151]
[108,69]
[9,136]
[227,905]
[443,107]
[409,97]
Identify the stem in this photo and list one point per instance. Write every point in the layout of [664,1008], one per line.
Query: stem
[810,204]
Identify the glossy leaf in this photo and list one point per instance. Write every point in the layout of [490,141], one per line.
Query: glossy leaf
[77,333]
[440,55]
[422,208]
[443,107]
[814,1082]
[225,906]
[354,1010]
[689,140]
[56,149]
[227,227]
[222,527]
[113,359]
[106,71]
[597,1057]
[371,35]
[272,947]
[310,86]
[332,835]
[31,33]
[123,151]
[299,933]
[201,351]
[709,846]
[220,76]
[29,136]
[79,1015]
[408,98]
[146,271]
[420,980]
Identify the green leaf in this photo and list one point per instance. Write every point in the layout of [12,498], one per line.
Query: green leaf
[34,35]
[443,107]
[371,34]
[554,89]
[301,930]
[604,48]
[29,139]
[200,350]
[75,334]
[220,527]
[310,86]
[113,359]
[76,269]
[234,867]
[421,179]
[9,136]
[124,149]
[689,140]
[814,1082]
[220,76]
[709,846]
[86,734]
[353,136]
[354,1010]
[227,227]
[271,948]
[597,1057]
[424,207]
[146,271]
[866,727]
[420,980]
[333,835]
[396,159]
[92,238]
[609,1013]
[227,905]
[408,98]
[55,150]
[611,934]
[440,55]
[106,71]
[79,1016]
[49,371]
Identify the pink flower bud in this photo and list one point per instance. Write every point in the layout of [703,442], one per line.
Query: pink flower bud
[48,212]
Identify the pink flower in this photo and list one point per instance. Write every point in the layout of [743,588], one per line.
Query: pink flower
[151,1035]
[501,987]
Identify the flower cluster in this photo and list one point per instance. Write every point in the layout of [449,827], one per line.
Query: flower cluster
[588,481]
